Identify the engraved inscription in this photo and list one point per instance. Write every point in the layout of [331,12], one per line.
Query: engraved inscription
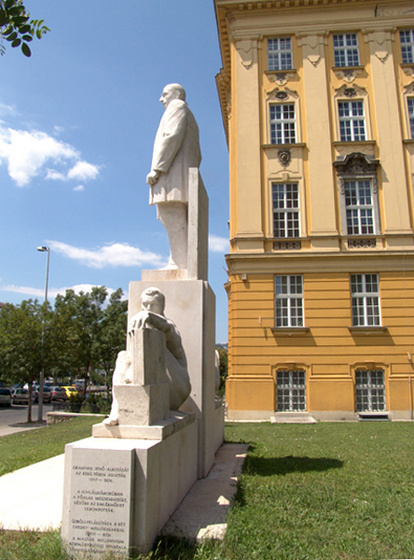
[100,504]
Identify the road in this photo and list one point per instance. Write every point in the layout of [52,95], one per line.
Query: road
[14,419]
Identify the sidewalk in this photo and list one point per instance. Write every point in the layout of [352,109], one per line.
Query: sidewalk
[32,497]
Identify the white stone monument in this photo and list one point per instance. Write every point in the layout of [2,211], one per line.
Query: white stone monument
[123,484]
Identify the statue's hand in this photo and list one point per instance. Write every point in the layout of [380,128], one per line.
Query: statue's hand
[153,177]
[139,321]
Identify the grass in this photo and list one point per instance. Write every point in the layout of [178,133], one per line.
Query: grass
[308,492]
[25,448]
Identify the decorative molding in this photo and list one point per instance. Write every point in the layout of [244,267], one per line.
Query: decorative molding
[362,243]
[315,46]
[408,69]
[287,246]
[280,77]
[380,42]
[247,50]
[350,92]
[353,91]
[356,165]
[348,74]
[284,156]
[278,94]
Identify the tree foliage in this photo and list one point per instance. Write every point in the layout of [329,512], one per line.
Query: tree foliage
[17,27]
[21,331]
[84,332]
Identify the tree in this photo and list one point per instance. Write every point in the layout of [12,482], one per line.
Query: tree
[223,354]
[17,27]
[21,331]
[87,333]
[111,334]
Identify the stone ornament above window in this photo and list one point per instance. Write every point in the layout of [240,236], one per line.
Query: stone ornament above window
[282,95]
[350,92]
[284,156]
[356,164]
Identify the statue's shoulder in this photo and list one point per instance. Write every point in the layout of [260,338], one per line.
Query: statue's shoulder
[177,105]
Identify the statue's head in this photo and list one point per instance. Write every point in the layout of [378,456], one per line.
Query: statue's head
[153,300]
[170,92]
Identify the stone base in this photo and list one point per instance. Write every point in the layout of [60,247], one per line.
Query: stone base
[142,405]
[164,274]
[176,422]
[119,493]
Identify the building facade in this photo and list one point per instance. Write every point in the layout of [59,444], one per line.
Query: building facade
[317,98]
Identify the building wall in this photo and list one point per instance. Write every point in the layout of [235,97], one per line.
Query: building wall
[323,253]
[328,350]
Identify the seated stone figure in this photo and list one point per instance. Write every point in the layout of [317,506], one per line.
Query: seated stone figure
[122,375]
[152,316]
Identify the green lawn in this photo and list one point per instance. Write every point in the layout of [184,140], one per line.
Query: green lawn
[323,491]
[24,448]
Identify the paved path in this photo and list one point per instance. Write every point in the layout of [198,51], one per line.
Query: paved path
[14,419]
[31,498]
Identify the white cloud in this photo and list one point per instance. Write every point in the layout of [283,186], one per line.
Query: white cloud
[83,171]
[27,153]
[39,293]
[79,188]
[26,290]
[115,254]
[218,244]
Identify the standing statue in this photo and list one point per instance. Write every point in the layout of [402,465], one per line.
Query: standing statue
[176,150]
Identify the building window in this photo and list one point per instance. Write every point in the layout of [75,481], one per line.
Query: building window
[351,121]
[279,53]
[365,300]
[359,206]
[410,105]
[289,301]
[407,46]
[285,198]
[346,49]
[370,390]
[282,123]
[291,390]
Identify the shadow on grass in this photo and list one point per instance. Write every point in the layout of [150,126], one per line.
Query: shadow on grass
[173,548]
[286,465]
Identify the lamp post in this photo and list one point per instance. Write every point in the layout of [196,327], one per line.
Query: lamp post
[43,249]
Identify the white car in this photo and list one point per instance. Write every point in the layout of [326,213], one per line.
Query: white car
[5,396]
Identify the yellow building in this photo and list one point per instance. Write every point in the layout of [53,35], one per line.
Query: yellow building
[317,98]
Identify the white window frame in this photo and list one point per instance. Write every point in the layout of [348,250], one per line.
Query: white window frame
[354,122]
[289,301]
[410,114]
[346,51]
[407,45]
[282,125]
[279,53]
[363,212]
[370,394]
[286,210]
[290,390]
[365,300]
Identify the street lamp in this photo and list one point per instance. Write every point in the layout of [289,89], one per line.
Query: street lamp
[43,249]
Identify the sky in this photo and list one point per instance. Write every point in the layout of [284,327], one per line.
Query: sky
[77,125]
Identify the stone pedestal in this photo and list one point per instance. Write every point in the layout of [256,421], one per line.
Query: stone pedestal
[191,305]
[119,493]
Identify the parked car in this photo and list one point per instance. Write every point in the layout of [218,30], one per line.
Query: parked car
[5,396]
[58,394]
[70,390]
[47,394]
[20,396]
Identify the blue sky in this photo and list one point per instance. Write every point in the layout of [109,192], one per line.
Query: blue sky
[77,124]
